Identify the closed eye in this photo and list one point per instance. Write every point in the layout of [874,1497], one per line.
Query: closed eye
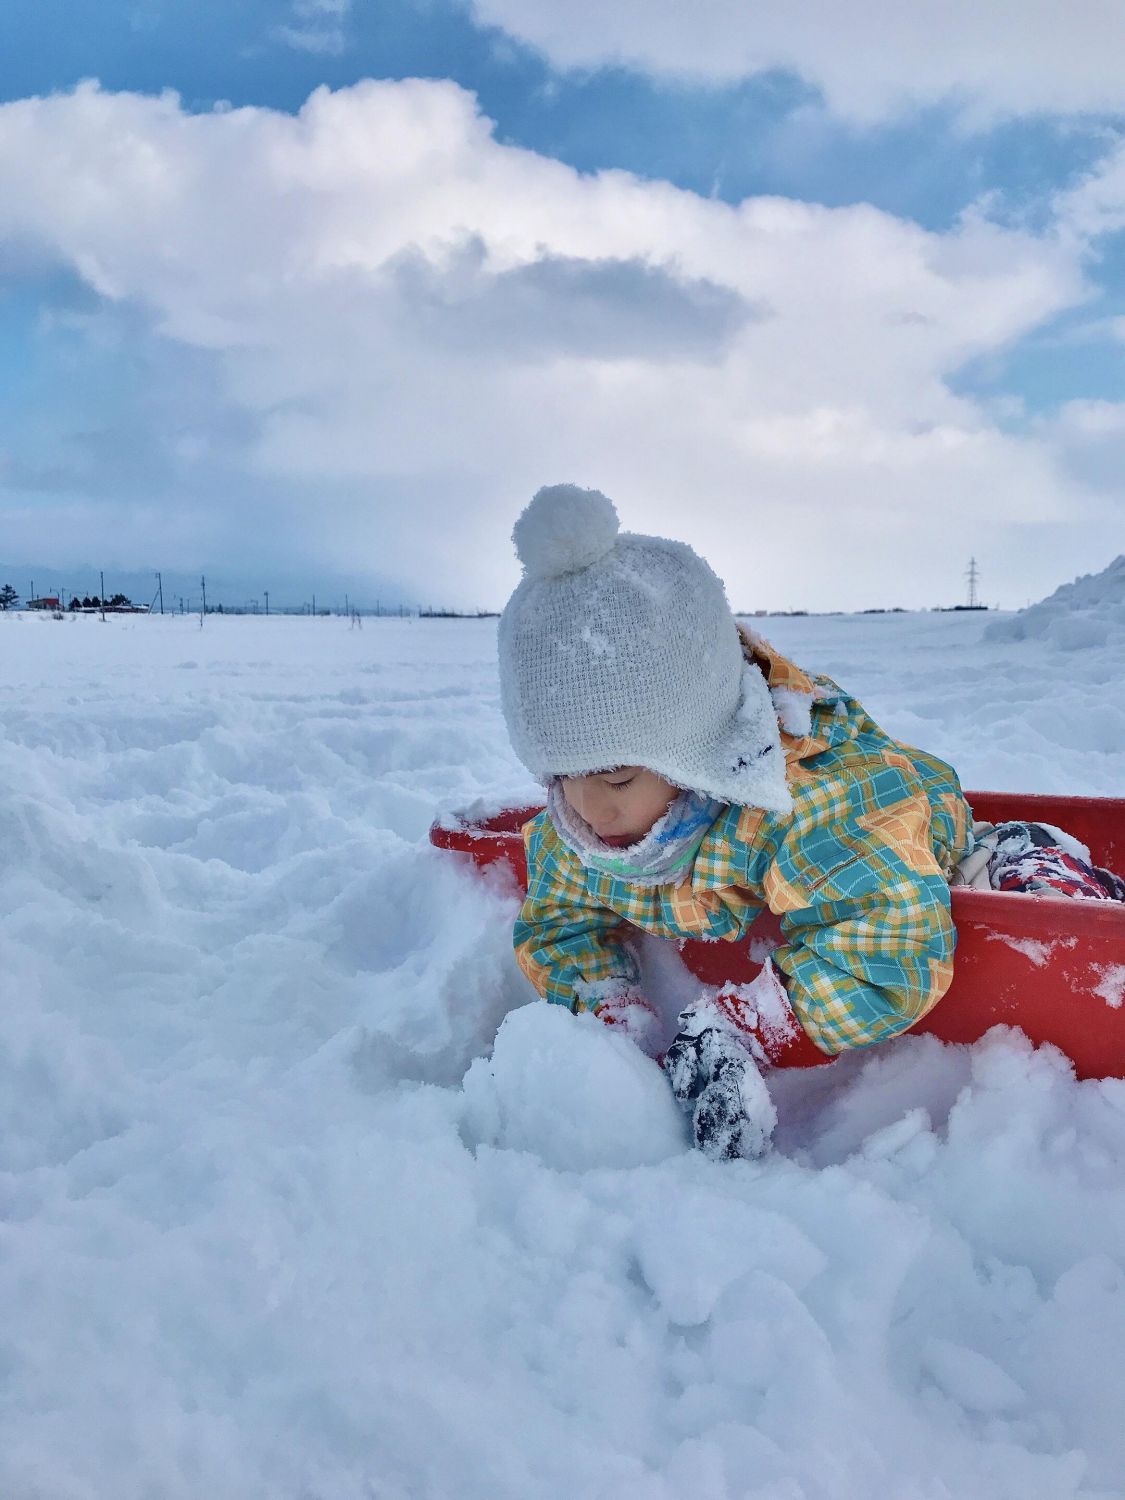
[619,786]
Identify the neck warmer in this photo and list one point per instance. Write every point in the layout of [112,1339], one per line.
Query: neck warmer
[663,857]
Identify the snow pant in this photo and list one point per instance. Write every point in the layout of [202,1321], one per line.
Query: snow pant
[1036,858]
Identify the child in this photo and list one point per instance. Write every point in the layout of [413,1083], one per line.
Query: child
[694,777]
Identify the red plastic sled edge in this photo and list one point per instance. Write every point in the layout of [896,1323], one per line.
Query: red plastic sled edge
[1051,966]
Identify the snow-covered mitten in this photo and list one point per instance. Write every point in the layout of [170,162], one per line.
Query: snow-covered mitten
[734,1115]
[714,1065]
[632,1015]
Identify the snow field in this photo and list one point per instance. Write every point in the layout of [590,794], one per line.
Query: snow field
[288,1208]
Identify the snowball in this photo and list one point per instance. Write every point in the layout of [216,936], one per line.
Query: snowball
[565,528]
[570,1091]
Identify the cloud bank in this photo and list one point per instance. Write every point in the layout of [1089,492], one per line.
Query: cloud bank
[872,60]
[378,329]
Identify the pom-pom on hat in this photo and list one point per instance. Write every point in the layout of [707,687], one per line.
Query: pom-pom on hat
[564,529]
[618,649]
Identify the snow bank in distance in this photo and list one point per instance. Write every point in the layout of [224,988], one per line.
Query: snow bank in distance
[1085,614]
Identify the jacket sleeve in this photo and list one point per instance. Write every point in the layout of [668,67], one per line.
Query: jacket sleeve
[868,941]
[571,949]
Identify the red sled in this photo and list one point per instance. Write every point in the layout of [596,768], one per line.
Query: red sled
[1053,966]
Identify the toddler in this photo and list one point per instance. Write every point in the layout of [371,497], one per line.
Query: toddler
[695,776]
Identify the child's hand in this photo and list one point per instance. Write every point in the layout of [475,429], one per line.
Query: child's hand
[714,1066]
[713,1073]
[632,1015]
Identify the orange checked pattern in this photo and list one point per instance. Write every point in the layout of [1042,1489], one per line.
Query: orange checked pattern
[857,872]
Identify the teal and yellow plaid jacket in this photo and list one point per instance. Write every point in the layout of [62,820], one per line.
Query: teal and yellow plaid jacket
[857,873]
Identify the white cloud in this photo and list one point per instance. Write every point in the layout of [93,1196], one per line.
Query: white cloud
[1091,437]
[1094,418]
[316,26]
[405,327]
[871,58]
[321,41]
[1096,205]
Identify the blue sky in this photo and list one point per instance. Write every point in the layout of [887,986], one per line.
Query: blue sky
[98,387]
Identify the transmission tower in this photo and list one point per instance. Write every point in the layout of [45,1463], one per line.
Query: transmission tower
[972,575]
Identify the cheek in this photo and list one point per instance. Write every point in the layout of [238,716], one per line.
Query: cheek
[575,797]
[663,800]
[651,806]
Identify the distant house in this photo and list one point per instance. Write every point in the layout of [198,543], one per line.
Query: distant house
[50,602]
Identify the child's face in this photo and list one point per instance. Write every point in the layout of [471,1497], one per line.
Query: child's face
[621,805]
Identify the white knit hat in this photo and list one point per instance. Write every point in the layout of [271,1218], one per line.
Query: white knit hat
[620,650]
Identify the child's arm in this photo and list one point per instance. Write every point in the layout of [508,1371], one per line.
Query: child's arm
[869,948]
[571,949]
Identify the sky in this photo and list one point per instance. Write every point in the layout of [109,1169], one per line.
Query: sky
[323,290]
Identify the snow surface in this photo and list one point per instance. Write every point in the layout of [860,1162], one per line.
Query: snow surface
[277,1221]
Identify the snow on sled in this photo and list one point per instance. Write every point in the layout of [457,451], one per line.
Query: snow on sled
[1051,966]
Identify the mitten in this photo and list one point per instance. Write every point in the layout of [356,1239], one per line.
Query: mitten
[632,1015]
[714,1065]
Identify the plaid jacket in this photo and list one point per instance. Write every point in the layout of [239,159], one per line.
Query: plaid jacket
[857,873]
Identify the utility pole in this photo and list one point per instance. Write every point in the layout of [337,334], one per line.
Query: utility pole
[160,591]
[101,577]
[972,575]
[267,594]
[314,606]
[203,586]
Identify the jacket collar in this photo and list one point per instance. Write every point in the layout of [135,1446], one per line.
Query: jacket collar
[795,694]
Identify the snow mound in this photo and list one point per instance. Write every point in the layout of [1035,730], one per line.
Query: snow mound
[1083,615]
[259,1239]
[569,1091]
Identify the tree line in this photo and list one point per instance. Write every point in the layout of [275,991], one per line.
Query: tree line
[9,598]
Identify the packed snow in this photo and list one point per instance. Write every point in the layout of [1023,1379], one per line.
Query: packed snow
[1081,616]
[299,1199]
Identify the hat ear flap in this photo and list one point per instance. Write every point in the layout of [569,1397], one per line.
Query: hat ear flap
[757,761]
